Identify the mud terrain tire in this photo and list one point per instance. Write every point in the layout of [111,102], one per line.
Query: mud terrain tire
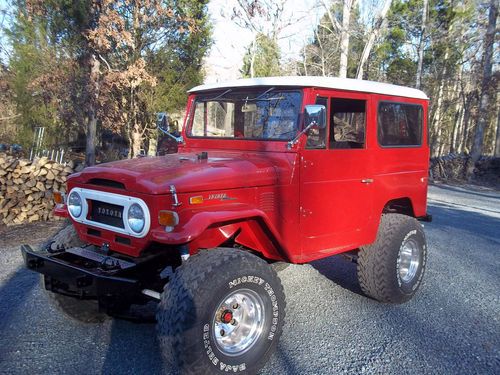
[207,295]
[391,269]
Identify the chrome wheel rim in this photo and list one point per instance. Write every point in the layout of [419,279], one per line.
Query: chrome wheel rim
[238,322]
[408,260]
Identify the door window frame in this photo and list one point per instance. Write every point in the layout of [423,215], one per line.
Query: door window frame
[332,94]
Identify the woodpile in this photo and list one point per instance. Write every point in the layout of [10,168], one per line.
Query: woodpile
[26,188]
[452,168]
[488,171]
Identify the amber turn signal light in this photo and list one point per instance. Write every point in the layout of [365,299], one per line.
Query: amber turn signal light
[168,218]
[58,197]
[196,200]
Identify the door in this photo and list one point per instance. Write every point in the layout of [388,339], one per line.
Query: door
[335,179]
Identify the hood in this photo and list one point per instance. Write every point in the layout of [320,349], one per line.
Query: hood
[154,175]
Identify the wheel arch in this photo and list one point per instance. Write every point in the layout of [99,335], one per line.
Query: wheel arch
[254,232]
[403,205]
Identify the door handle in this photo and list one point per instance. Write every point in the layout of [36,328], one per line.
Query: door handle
[367,180]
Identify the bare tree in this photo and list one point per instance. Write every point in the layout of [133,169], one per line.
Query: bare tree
[421,45]
[344,36]
[497,140]
[341,28]
[484,102]
[261,17]
[374,33]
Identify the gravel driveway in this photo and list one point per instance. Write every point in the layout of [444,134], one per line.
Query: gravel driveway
[452,326]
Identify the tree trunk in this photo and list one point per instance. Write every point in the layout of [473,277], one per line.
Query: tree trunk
[457,112]
[344,37]
[92,111]
[497,141]
[91,137]
[460,131]
[484,101]
[418,82]
[373,36]
[252,58]
[305,59]
[467,119]
[153,146]
[136,141]
[322,52]
[436,119]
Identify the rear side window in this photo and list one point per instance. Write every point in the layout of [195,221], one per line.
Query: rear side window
[399,124]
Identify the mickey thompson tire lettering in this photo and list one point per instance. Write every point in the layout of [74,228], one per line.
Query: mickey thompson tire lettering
[190,306]
[379,263]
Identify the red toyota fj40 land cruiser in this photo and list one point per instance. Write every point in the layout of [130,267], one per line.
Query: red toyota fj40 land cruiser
[288,169]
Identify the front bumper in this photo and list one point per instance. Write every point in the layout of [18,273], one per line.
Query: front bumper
[73,275]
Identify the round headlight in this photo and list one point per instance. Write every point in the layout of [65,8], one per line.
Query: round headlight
[75,204]
[136,218]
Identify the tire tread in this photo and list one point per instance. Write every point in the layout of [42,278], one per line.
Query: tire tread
[375,268]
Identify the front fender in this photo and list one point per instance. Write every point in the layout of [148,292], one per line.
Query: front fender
[207,229]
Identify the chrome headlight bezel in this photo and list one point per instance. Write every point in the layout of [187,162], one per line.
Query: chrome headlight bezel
[75,204]
[89,195]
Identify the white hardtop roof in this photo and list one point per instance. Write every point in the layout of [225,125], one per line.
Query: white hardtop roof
[323,82]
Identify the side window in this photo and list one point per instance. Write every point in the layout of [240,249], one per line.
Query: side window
[316,139]
[348,123]
[399,124]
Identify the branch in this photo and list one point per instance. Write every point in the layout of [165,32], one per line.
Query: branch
[105,62]
[333,20]
[9,117]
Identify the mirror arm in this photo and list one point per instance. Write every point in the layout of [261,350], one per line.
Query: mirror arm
[177,139]
[294,141]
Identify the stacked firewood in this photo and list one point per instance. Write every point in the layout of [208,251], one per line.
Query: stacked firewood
[26,188]
[488,171]
[453,168]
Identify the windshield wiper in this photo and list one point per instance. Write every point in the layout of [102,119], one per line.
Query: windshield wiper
[217,97]
[260,96]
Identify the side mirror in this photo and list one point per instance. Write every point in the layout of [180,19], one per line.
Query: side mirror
[315,116]
[163,124]
[162,121]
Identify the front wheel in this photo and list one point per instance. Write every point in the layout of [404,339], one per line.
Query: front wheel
[392,268]
[223,311]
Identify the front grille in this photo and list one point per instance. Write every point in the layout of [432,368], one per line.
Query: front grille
[106,213]
[106,210]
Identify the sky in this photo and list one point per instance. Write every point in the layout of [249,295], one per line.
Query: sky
[230,40]
[226,56]
[3,7]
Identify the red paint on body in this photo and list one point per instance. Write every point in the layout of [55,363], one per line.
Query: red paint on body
[291,204]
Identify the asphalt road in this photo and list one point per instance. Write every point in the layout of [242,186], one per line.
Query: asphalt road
[451,327]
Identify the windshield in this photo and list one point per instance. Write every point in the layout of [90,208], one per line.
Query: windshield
[265,114]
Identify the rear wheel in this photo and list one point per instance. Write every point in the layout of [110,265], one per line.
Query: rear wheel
[223,311]
[391,269]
